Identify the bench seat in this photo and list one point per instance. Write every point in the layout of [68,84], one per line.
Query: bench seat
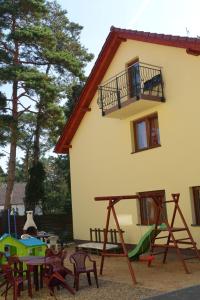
[97,246]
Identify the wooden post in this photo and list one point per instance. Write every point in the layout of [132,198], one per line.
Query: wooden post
[105,237]
[124,247]
[112,201]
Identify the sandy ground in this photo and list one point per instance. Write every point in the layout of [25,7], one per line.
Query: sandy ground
[116,280]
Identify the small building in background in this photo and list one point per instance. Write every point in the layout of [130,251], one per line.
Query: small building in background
[17,201]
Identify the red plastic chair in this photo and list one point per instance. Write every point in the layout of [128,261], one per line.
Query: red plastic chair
[78,259]
[3,281]
[12,281]
[54,276]
[51,252]
[16,265]
[57,261]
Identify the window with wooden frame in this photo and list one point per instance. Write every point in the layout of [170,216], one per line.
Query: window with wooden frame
[196,197]
[148,208]
[146,132]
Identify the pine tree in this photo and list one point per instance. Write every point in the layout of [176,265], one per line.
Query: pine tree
[21,38]
[29,50]
[67,63]
[34,192]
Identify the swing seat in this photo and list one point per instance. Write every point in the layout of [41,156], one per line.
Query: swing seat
[148,258]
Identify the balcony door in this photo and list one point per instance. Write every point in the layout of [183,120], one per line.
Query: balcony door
[134,79]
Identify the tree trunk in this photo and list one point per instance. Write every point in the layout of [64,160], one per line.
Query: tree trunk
[14,125]
[13,146]
[26,164]
[36,147]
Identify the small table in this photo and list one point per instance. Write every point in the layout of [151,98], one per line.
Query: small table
[33,263]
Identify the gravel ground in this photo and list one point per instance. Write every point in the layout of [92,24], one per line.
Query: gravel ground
[108,290]
[116,283]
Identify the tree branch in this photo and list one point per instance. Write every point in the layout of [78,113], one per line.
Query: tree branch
[7,108]
[33,63]
[32,99]
[6,47]
[24,110]
[22,95]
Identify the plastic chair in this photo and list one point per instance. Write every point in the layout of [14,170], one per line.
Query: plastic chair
[54,276]
[12,281]
[53,241]
[2,280]
[16,266]
[78,259]
[51,252]
[56,259]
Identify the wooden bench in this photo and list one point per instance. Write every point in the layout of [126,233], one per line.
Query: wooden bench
[96,241]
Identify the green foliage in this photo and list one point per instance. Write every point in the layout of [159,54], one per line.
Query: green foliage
[73,93]
[2,102]
[19,173]
[57,185]
[34,35]
[2,176]
[21,8]
[34,192]
[5,121]
[41,57]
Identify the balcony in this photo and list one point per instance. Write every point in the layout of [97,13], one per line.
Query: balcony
[136,89]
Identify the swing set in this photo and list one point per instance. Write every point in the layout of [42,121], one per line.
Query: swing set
[171,240]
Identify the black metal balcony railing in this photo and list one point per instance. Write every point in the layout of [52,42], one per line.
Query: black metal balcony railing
[139,80]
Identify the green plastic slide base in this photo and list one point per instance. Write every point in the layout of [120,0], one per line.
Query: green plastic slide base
[144,243]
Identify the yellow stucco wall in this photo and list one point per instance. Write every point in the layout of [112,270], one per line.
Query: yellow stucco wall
[101,159]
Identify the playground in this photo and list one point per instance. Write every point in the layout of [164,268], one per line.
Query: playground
[158,263]
[116,282]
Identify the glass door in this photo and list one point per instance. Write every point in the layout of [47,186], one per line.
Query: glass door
[134,80]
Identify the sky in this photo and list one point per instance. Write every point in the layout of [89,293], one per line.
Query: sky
[177,17]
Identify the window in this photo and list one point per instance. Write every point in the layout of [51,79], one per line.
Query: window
[148,208]
[146,133]
[196,197]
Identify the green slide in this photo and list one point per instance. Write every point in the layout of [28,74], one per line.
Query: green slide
[144,242]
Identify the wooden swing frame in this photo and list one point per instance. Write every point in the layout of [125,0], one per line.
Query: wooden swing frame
[113,200]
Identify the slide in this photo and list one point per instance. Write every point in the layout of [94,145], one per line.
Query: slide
[144,243]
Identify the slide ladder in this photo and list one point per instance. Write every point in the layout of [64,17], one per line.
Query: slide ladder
[172,240]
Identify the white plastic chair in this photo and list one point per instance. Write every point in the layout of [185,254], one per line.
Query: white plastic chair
[53,242]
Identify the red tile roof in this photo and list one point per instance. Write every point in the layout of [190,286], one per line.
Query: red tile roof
[114,39]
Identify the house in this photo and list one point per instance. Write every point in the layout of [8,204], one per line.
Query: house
[135,130]
[31,246]
[17,198]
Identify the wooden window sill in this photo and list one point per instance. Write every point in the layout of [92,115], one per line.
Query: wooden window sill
[149,148]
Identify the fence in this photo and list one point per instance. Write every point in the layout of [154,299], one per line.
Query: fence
[60,225]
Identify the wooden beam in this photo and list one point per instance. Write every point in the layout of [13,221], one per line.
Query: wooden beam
[103,198]
[193,52]
[67,147]
[85,109]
